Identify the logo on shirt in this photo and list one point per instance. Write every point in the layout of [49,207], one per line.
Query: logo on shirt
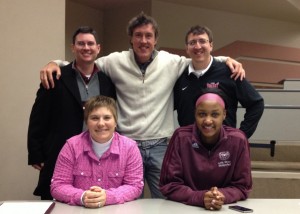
[184,88]
[224,162]
[195,145]
[212,85]
[224,155]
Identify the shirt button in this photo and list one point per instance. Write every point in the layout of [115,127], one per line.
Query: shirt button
[99,179]
[98,164]
[82,173]
[117,174]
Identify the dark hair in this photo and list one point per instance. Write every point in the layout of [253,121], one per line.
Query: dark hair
[84,29]
[140,20]
[98,102]
[199,30]
[214,91]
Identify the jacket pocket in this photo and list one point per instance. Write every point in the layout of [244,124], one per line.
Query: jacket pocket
[116,177]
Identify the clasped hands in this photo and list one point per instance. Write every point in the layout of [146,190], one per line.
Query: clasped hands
[213,199]
[95,197]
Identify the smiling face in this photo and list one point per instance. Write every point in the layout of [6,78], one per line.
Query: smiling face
[85,48]
[143,42]
[101,124]
[209,115]
[199,48]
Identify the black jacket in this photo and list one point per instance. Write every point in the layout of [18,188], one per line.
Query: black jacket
[57,115]
[188,87]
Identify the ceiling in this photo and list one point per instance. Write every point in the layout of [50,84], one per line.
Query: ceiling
[283,10]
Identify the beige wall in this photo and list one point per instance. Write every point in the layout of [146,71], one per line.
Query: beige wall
[109,24]
[175,20]
[32,33]
[80,15]
[115,23]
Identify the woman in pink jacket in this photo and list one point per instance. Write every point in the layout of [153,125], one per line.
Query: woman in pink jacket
[98,167]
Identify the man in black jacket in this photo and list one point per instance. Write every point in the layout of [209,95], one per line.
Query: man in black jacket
[57,114]
[205,72]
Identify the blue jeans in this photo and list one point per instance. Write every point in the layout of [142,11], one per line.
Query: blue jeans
[153,152]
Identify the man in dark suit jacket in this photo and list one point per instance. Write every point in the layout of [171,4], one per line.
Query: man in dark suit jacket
[57,114]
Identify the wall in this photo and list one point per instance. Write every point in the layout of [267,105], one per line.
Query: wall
[280,120]
[175,20]
[80,15]
[30,36]
[116,20]
[110,24]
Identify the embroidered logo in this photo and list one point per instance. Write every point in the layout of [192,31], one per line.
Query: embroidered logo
[224,156]
[212,85]
[195,145]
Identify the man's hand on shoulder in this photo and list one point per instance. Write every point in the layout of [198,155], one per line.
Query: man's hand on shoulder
[46,74]
[236,69]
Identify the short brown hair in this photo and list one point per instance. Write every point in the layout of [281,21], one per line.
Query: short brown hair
[140,20]
[199,30]
[98,102]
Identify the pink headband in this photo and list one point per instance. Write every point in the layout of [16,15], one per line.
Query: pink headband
[210,96]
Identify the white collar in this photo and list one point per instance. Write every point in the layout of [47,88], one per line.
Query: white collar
[200,72]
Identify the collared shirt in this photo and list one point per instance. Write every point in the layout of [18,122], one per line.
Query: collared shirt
[143,66]
[119,170]
[86,78]
[199,73]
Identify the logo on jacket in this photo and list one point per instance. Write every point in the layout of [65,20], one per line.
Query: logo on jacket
[212,85]
[224,155]
[224,162]
[184,88]
[195,145]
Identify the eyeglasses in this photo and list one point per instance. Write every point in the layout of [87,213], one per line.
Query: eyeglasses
[193,42]
[83,44]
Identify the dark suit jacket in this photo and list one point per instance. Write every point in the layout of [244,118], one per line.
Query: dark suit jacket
[57,115]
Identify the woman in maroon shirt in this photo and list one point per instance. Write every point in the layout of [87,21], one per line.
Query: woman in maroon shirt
[207,164]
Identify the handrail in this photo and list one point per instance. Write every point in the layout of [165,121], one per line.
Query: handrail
[278,90]
[267,106]
[264,145]
[282,106]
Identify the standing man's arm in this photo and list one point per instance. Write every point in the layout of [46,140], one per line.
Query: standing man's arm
[236,68]
[38,128]
[253,102]
[46,73]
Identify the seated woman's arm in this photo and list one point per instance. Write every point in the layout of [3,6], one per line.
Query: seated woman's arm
[172,183]
[133,184]
[62,187]
[241,182]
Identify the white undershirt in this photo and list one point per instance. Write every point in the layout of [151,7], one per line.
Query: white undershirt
[100,148]
[201,72]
